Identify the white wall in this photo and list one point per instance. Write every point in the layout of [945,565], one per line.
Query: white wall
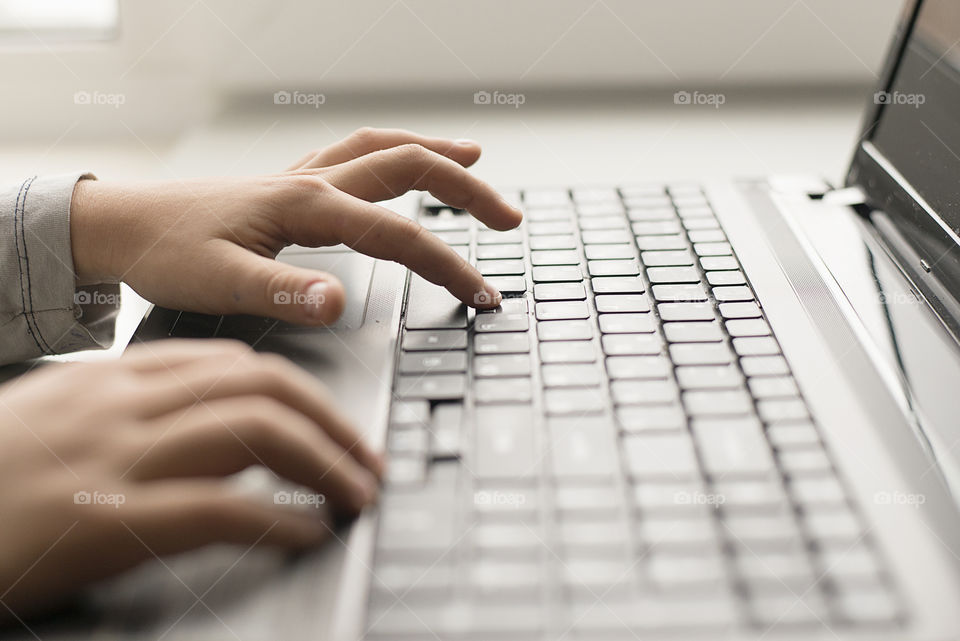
[176,59]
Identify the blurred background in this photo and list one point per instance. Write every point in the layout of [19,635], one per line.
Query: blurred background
[558,91]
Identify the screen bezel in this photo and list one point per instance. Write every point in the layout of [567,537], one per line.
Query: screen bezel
[888,191]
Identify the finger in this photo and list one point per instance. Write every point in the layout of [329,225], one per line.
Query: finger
[386,174]
[327,216]
[267,375]
[367,140]
[247,283]
[179,515]
[173,353]
[225,436]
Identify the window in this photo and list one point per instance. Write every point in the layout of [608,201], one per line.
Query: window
[58,19]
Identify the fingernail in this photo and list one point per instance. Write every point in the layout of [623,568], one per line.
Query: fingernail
[466,142]
[314,299]
[493,295]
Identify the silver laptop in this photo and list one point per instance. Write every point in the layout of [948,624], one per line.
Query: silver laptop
[702,411]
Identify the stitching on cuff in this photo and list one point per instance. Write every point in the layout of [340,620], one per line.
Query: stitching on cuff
[26,287]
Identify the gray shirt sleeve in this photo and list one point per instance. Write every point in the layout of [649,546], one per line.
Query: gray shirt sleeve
[42,311]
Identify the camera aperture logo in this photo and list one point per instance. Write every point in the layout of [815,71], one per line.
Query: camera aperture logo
[96,497]
[314,100]
[899,98]
[499,98]
[307,499]
[115,100]
[699,98]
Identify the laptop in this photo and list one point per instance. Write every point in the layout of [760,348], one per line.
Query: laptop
[701,411]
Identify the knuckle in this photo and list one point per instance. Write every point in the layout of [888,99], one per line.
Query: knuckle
[300,187]
[365,136]
[411,153]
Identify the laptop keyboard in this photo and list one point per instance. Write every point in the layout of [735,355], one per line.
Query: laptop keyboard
[618,449]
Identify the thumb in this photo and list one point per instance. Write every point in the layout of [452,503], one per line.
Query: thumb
[266,287]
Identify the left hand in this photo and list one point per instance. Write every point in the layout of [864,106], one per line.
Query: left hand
[209,245]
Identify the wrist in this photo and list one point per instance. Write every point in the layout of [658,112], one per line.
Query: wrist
[92,235]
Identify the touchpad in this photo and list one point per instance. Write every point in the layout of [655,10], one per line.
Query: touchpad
[354,270]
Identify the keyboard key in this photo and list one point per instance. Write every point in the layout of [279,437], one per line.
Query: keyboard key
[562,310]
[709,377]
[651,214]
[668,455]
[446,427]
[732,294]
[748,327]
[588,195]
[501,267]
[555,257]
[777,410]
[513,577]
[434,387]
[818,492]
[583,448]
[658,275]
[739,310]
[617,285]
[733,447]
[693,332]
[409,414]
[544,215]
[712,249]
[608,252]
[552,228]
[631,344]
[432,307]
[513,343]
[718,403]
[668,496]
[685,312]
[432,362]
[700,354]
[606,237]
[756,346]
[773,387]
[793,435]
[776,570]
[490,237]
[719,263]
[588,210]
[505,443]
[639,367]
[703,222]
[870,606]
[559,291]
[698,236]
[647,418]
[679,293]
[433,340]
[797,463]
[570,375]
[613,268]
[500,365]
[637,392]
[726,278]
[831,525]
[564,330]
[593,537]
[764,366]
[507,285]
[499,252]
[560,241]
[503,390]
[535,198]
[454,238]
[750,495]
[567,352]
[502,322]
[663,534]
[666,227]
[661,243]
[557,273]
[621,303]
[576,401]
[754,533]
[627,323]
[667,258]
[593,223]
[588,499]
[846,565]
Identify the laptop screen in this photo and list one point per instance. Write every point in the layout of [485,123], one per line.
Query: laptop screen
[919,128]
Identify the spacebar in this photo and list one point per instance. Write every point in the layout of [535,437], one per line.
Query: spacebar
[430,306]
[505,443]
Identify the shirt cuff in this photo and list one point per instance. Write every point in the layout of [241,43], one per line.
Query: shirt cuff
[42,311]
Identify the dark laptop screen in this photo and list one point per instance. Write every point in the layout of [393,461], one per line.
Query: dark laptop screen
[919,129]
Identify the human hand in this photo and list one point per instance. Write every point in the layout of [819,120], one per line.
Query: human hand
[208,245]
[92,483]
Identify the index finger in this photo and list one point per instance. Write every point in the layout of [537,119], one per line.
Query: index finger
[332,217]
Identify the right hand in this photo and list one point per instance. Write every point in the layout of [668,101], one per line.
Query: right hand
[159,427]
